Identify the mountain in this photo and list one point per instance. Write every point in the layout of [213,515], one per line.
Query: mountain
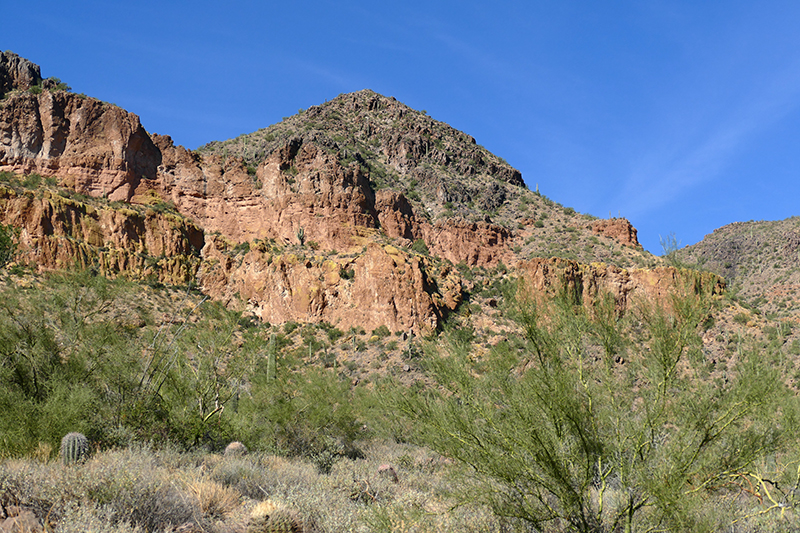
[759,259]
[360,212]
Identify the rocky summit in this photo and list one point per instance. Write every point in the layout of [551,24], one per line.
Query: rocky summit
[359,211]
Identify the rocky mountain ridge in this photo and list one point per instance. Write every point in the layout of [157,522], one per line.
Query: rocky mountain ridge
[759,259]
[371,229]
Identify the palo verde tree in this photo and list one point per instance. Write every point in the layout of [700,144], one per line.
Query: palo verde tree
[592,422]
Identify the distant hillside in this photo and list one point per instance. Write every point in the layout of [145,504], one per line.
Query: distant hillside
[760,260]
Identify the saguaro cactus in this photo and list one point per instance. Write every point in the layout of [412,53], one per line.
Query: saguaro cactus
[272,365]
[74,448]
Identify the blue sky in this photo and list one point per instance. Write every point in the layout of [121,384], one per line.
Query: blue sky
[681,116]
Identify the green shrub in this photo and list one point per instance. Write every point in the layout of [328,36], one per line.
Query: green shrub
[334,334]
[602,424]
[420,247]
[8,245]
[381,331]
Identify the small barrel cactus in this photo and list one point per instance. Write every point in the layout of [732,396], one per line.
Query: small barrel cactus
[268,517]
[235,449]
[74,448]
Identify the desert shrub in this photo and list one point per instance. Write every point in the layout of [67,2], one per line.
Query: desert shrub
[334,334]
[69,361]
[309,415]
[420,247]
[127,487]
[381,331]
[602,423]
[8,245]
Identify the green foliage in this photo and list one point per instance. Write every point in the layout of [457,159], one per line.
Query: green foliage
[8,245]
[599,423]
[69,361]
[334,334]
[420,247]
[74,448]
[670,246]
[381,331]
[32,181]
[311,415]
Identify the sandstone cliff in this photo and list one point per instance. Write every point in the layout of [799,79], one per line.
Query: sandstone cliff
[588,282]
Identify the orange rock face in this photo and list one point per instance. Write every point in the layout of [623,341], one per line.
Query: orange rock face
[619,229]
[382,286]
[57,232]
[587,282]
[96,148]
[319,233]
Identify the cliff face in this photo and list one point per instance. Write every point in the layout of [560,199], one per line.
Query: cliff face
[381,286]
[588,282]
[315,228]
[17,73]
[92,147]
[59,232]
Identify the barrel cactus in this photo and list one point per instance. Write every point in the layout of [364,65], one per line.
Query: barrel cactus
[235,449]
[268,517]
[74,448]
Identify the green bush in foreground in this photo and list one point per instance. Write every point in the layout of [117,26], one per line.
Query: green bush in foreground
[595,423]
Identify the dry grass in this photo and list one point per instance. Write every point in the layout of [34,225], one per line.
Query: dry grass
[141,490]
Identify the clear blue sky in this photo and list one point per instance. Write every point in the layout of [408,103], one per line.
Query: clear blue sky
[682,116]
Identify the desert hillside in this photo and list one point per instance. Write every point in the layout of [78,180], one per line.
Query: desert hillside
[359,319]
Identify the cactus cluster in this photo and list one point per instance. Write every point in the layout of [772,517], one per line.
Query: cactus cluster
[74,448]
[269,517]
[235,449]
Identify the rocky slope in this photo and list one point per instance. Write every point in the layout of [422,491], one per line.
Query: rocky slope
[759,259]
[357,212]
[445,183]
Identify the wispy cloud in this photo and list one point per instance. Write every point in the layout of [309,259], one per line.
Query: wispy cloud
[682,163]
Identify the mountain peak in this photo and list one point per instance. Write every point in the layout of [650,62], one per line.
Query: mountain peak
[443,171]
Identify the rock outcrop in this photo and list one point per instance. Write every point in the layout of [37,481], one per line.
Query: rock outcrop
[382,286]
[92,147]
[58,232]
[587,282]
[319,226]
[17,73]
[619,229]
